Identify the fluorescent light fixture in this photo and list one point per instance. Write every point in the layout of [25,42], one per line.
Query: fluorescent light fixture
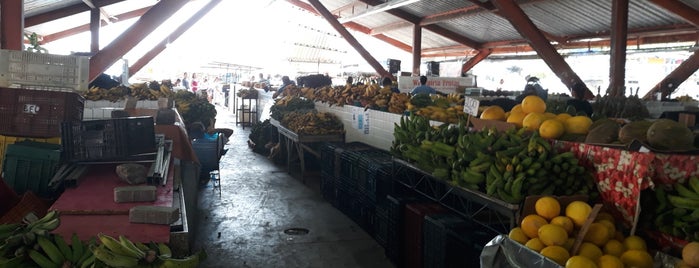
[378,8]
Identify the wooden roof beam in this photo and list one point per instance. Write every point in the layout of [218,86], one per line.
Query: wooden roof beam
[86,27]
[682,10]
[153,18]
[11,26]
[676,77]
[160,47]
[357,27]
[538,41]
[350,38]
[617,64]
[434,28]
[64,12]
[473,61]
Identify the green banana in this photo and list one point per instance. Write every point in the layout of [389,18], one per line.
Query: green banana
[88,262]
[64,248]
[164,250]
[191,261]
[110,258]
[16,262]
[472,177]
[42,260]
[77,247]
[131,246]
[685,192]
[51,250]
[682,202]
[694,183]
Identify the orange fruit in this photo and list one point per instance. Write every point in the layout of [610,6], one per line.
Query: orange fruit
[564,222]
[517,109]
[610,227]
[578,211]
[589,250]
[518,235]
[580,262]
[516,118]
[533,104]
[563,117]
[531,223]
[614,247]
[547,207]
[556,253]
[597,234]
[493,113]
[609,261]
[551,129]
[690,254]
[637,258]
[532,121]
[634,242]
[604,216]
[578,124]
[535,244]
[552,235]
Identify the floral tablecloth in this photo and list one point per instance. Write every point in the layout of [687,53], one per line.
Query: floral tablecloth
[621,175]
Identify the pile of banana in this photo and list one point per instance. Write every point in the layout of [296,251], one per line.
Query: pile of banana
[312,122]
[446,109]
[677,210]
[506,165]
[55,252]
[114,94]
[398,103]
[121,252]
[141,91]
[17,239]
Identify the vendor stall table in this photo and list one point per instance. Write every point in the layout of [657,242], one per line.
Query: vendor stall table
[492,213]
[302,144]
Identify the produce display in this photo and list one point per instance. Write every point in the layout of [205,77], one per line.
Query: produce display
[553,229]
[312,122]
[674,211]
[141,91]
[507,165]
[30,244]
[194,108]
[289,104]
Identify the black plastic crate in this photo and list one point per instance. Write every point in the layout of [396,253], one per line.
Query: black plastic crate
[107,139]
[381,226]
[327,157]
[393,207]
[376,180]
[327,187]
[348,164]
[452,241]
[37,113]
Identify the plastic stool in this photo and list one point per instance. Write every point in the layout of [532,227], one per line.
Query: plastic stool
[215,177]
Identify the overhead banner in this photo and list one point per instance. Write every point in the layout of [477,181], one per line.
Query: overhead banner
[441,84]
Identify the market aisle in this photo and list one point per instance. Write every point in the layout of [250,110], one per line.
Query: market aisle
[244,227]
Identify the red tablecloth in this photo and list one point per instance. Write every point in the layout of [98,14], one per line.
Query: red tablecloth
[621,175]
[90,209]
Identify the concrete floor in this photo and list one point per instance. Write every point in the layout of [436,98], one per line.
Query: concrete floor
[244,226]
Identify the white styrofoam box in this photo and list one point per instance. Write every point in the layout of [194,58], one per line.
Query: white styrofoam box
[98,113]
[142,104]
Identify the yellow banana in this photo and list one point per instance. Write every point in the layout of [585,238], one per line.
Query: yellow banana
[50,249]
[111,259]
[41,260]
[114,246]
[191,261]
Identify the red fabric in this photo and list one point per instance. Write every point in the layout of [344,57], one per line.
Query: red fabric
[89,209]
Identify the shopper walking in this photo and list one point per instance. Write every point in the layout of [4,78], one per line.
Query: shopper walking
[185,81]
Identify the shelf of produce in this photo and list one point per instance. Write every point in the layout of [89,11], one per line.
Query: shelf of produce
[494,214]
[300,144]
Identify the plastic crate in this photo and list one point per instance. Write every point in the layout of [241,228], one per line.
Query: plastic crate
[381,226]
[327,187]
[327,157]
[29,202]
[413,233]
[107,139]
[21,69]
[37,113]
[30,167]
[7,140]
[443,244]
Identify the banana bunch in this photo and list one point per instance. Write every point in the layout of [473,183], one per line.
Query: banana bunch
[122,252]
[455,98]
[677,211]
[398,102]
[114,94]
[19,238]
[141,91]
[313,123]
[55,252]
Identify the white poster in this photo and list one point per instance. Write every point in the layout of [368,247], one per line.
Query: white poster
[441,84]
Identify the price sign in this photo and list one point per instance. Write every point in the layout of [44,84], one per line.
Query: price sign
[471,106]
[31,108]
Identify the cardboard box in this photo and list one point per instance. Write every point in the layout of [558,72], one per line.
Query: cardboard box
[480,124]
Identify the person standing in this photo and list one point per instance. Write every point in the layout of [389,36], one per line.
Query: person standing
[387,82]
[280,91]
[423,88]
[578,101]
[185,81]
[195,83]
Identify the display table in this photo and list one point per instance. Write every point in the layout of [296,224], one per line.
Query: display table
[89,208]
[300,144]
